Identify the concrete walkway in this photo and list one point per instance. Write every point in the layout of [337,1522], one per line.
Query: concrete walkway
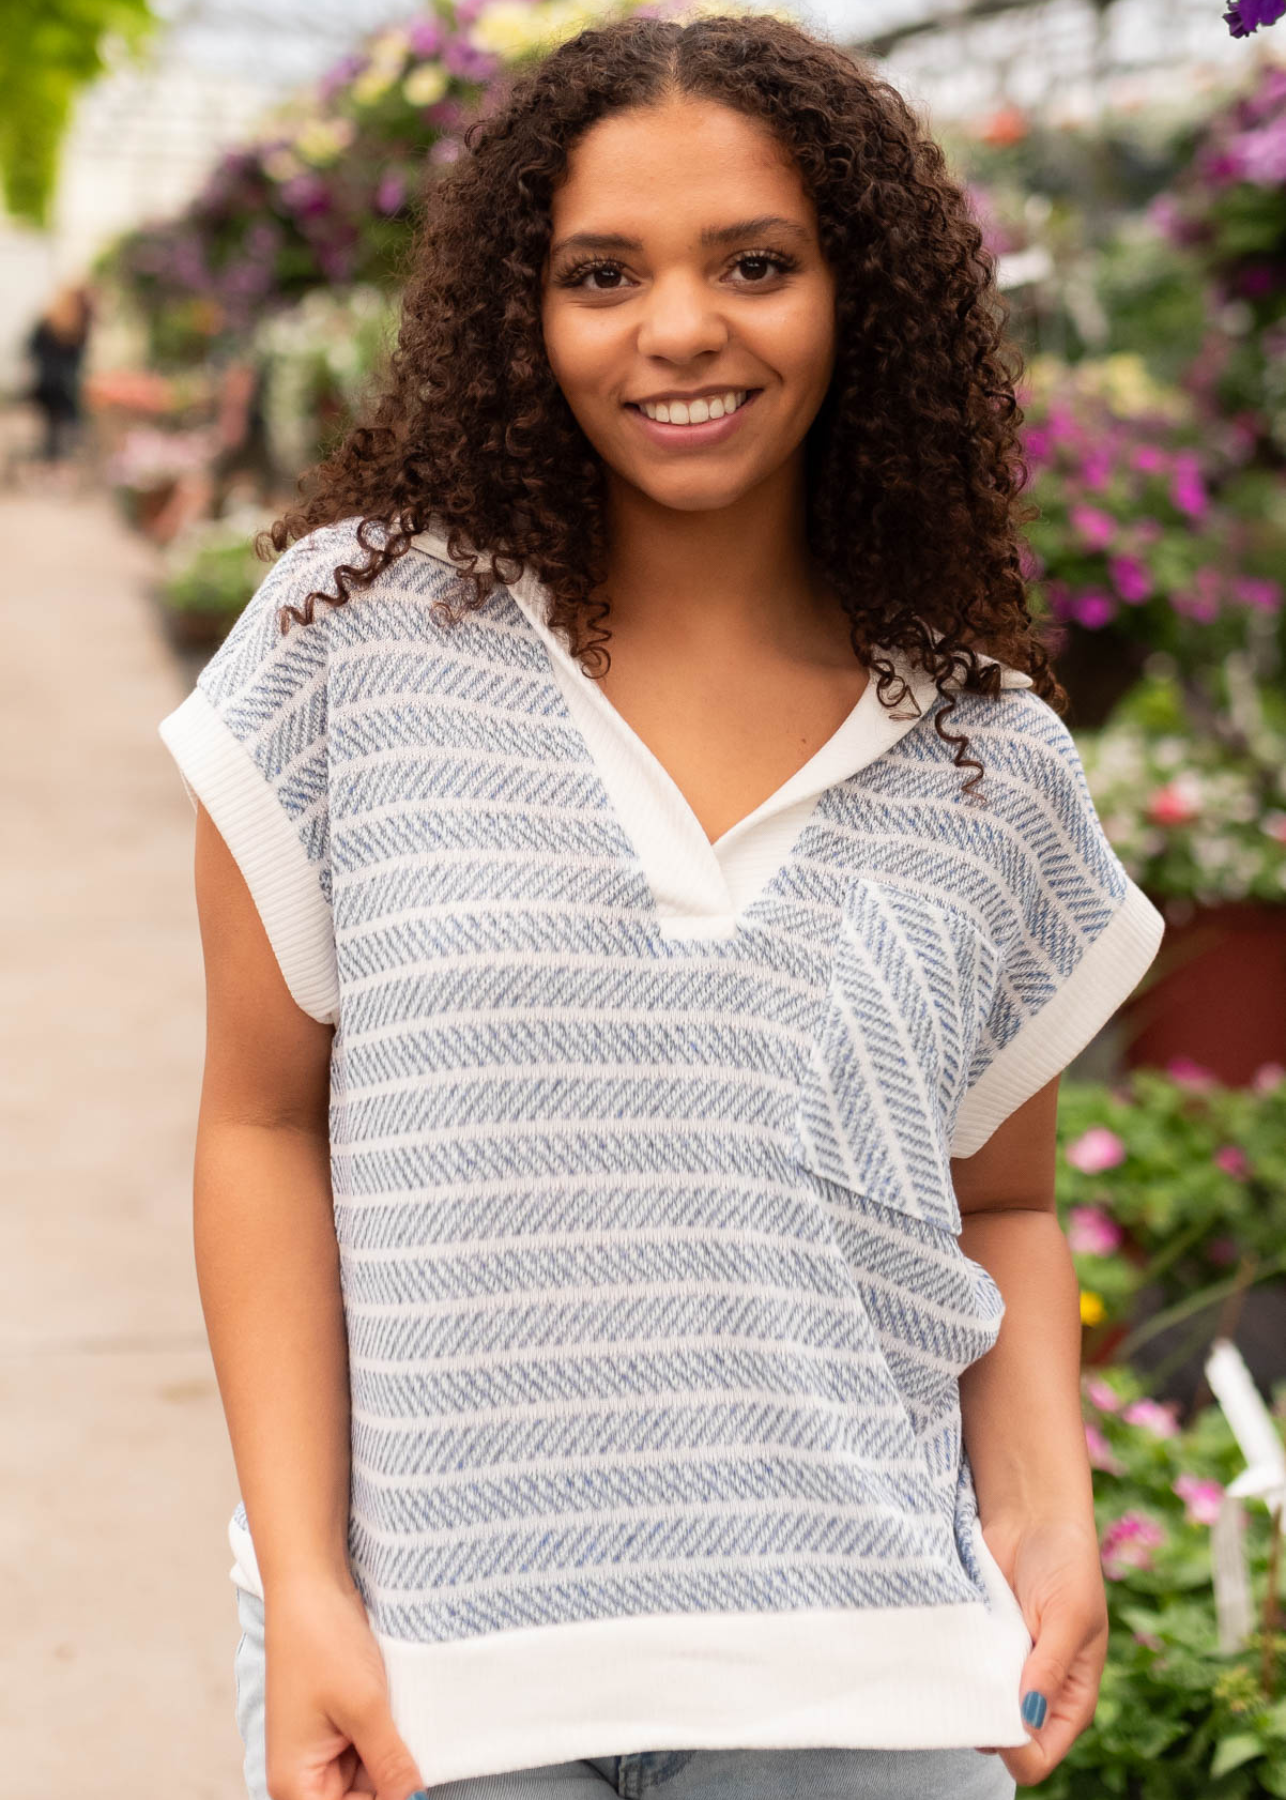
[116,1666]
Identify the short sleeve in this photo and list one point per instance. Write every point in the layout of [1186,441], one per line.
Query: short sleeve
[1076,934]
[250,742]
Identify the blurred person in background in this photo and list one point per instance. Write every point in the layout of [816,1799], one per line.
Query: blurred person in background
[56,345]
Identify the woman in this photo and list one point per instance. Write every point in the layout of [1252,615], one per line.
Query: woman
[630,1101]
[56,345]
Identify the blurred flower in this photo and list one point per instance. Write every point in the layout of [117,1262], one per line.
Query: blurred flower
[1094,609]
[1267,1076]
[1095,1150]
[1101,1394]
[1132,578]
[1101,1455]
[1092,1308]
[1090,1232]
[1128,1543]
[1188,1073]
[1222,1250]
[1178,803]
[1200,1498]
[1187,489]
[426,85]
[1232,1159]
[1097,528]
[1159,1419]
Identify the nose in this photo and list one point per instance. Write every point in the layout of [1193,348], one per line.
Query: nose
[681,319]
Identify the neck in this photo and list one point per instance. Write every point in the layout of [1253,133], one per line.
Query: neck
[735,575]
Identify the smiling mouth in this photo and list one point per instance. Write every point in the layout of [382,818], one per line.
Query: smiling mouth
[695,412]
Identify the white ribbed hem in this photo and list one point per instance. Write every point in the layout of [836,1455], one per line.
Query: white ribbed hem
[219,771]
[1109,971]
[892,1677]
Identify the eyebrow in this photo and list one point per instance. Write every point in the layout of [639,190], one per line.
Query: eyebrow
[711,236]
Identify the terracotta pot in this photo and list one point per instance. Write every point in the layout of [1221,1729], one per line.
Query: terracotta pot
[1216,992]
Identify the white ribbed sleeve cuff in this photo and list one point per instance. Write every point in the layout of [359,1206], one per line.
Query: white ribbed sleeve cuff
[219,771]
[1107,973]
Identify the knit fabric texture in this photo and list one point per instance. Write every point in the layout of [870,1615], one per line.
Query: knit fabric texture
[655,1303]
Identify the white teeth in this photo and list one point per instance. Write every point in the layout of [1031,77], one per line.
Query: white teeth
[679,412]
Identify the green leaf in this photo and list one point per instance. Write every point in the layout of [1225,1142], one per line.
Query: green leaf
[1231,1752]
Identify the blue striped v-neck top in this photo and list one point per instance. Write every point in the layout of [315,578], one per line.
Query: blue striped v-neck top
[640,1155]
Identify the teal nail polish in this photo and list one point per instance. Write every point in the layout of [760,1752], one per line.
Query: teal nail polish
[1034,1709]
[419,1794]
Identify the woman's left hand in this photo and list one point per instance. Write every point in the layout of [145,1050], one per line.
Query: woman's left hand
[1055,1570]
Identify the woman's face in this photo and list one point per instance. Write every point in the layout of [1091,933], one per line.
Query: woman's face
[684,261]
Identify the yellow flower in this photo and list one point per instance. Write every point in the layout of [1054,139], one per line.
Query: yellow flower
[320,141]
[372,84]
[425,85]
[1092,1308]
[509,28]
[282,165]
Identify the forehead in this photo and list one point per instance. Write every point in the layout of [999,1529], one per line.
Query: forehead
[676,163]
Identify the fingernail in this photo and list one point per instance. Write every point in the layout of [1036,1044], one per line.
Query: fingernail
[419,1794]
[1033,1710]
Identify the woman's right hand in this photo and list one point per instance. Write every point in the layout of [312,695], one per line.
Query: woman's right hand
[329,1732]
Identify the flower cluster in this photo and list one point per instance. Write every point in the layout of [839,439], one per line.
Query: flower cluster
[1134,531]
[1245,16]
[1186,813]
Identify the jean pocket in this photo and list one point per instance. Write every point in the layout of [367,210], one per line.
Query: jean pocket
[911,981]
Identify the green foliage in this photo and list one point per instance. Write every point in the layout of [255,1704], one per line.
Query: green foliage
[1163,1182]
[212,568]
[49,51]
[1177,1718]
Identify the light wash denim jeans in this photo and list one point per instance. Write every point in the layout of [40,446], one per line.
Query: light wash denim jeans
[822,1774]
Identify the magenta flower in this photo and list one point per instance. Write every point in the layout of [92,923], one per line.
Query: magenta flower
[1133,578]
[1232,1159]
[1128,1543]
[1037,442]
[1096,527]
[1091,1232]
[1096,470]
[1095,1150]
[1200,1498]
[1159,1419]
[1100,1451]
[1187,489]
[1094,609]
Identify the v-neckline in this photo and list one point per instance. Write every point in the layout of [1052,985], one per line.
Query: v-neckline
[688,875]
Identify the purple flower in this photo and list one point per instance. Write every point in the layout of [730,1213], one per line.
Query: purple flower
[427,36]
[1245,16]
[391,191]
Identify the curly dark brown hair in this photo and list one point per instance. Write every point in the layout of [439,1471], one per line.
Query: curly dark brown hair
[914,467]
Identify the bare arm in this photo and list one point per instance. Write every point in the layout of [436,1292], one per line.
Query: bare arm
[1020,1404]
[266,1256]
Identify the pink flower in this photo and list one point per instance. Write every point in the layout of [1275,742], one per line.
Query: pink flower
[1148,530]
[1101,1394]
[1170,805]
[1148,1639]
[1189,1074]
[1100,1451]
[1128,1544]
[1133,578]
[1037,443]
[1266,1077]
[1232,1159]
[1153,1416]
[1095,1150]
[1096,469]
[1200,1498]
[1096,527]
[1091,1232]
